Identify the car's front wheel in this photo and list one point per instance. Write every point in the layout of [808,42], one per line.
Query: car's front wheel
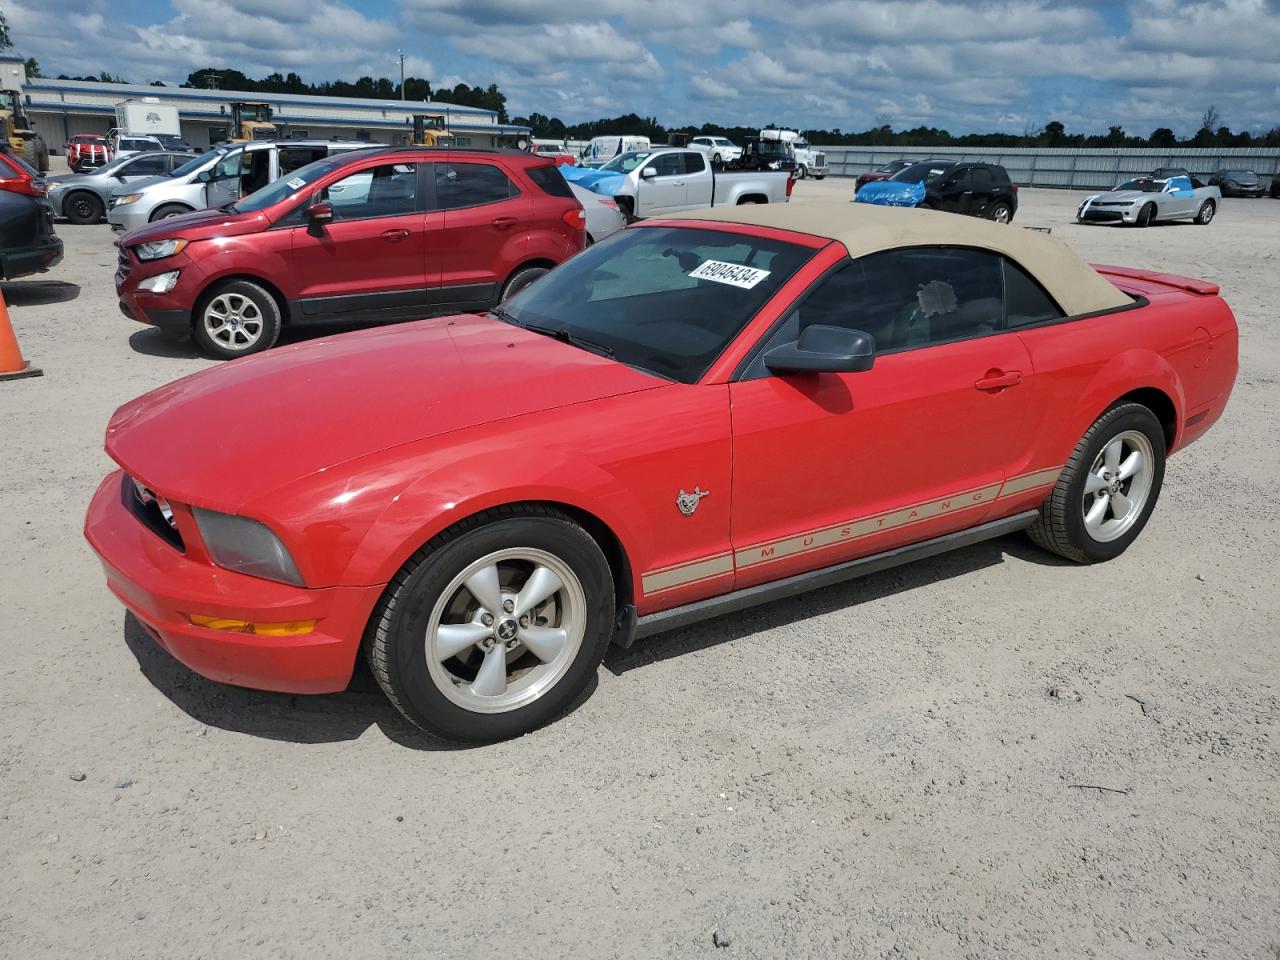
[1145,215]
[495,627]
[1106,492]
[236,319]
[801,172]
[83,207]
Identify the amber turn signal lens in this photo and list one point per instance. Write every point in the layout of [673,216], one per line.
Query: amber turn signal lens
[293,628]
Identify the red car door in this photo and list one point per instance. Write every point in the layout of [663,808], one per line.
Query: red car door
[485,217]
[371,260]
[831,466]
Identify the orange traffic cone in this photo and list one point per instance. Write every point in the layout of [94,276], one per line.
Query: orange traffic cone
[12,366]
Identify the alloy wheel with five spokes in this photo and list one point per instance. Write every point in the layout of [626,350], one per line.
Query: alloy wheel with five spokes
[1117,485]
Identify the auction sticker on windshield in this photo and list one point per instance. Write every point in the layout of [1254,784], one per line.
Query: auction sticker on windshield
[730,273]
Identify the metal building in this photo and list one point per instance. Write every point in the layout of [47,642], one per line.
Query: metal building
[61,108]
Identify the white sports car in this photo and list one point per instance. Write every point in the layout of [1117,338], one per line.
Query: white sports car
[1144,200]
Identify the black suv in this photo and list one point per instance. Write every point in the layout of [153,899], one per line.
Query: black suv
[974,189]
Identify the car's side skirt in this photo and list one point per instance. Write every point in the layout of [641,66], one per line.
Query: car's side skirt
[678,617]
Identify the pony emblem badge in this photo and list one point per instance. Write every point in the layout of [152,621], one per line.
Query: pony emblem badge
[688,502]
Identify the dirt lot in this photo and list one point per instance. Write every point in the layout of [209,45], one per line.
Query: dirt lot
[907,766]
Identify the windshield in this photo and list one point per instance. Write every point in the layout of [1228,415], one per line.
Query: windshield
[1145,185]
[893,166]
[667,300]
[774,148]
[626,162]
[1238,173]
[920,173]
[191,166]
[172,143]
[722,142]
[288,185]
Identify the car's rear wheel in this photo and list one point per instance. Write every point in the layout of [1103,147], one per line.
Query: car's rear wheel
[494,628]
[1145,215]
[1000,212]
[82,207]
[1106,492]
[236,319]
[169,210]
[519,280]
[1206,212]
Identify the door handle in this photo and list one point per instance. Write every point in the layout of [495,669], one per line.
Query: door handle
[678,183]
[395,235]
[997,380]
[504,223]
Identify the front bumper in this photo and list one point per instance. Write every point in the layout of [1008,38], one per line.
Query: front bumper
[1095,214]
[126,218]
[23,261]
[160,585]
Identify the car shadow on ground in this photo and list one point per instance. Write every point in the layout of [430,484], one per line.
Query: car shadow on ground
[35,293]
[150,342]
[323,718]
[781,613]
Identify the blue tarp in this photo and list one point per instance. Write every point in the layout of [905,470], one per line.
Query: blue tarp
[891,193]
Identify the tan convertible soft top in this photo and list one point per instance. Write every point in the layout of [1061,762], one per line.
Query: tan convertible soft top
[864,228]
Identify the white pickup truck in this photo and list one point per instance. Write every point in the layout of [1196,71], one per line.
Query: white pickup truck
[653,183]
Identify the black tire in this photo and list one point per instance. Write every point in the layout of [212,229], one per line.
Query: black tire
[519,280]
[1000,212]
[820,176]
[44,155]
[1060,527]
[1145,215]
[31,152]
[167,211]
[267,309]
[394,642]
[82,207]
[716,159]
[1206,212]
[801,171]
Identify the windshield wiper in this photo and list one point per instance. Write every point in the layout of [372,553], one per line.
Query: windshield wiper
[504,315]
[564,336]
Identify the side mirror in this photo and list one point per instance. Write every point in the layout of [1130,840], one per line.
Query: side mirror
[319,213]
[205,176]
[824,349]
[648,173]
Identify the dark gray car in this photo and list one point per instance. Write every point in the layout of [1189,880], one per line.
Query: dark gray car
[1238,183]
[82,197]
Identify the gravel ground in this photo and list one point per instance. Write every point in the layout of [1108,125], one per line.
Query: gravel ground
[990,754]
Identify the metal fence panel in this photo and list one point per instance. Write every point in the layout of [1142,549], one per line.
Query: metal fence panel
[1083,169]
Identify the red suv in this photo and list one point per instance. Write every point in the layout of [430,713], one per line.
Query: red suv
[372,236]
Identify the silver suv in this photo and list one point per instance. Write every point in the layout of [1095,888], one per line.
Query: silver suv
[222,176]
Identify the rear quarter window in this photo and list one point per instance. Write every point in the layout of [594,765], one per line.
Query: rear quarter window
[1026,302]
[549,180]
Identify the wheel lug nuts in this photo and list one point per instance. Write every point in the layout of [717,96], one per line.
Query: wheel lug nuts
[524,621]
[508,605]
[487,619]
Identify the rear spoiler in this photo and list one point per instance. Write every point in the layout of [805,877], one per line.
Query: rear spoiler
[1203,287]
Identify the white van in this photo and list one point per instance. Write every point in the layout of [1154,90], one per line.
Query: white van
[603,149]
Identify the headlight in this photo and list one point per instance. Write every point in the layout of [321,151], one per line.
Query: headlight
[246,546]
[127,198]
[161,282]
[159,249]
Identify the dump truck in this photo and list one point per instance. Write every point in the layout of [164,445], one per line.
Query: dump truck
[17,135]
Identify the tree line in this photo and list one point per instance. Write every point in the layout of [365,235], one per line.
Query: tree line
[1211,133]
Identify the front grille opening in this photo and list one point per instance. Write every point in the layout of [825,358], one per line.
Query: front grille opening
[149,512]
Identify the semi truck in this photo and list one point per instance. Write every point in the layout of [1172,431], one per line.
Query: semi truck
[809,162]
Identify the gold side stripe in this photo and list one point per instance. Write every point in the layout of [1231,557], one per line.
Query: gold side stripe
[1029,481]
[696,571]
[864,527]
[686,573]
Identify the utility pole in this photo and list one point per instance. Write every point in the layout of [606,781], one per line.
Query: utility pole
[401,52]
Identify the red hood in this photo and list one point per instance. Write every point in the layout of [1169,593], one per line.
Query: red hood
[227,435]
[200,225]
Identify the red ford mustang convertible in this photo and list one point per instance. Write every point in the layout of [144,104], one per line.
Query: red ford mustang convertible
[699,414]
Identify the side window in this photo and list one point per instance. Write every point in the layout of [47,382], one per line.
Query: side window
[981,178]
[229,167]
[668,165]
[461,185]
[959,180]
[148,166]
[906,299]
[291,158]
[694,162]
[390,190]
[1025,300]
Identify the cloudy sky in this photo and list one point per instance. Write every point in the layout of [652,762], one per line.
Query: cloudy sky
[957,64]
